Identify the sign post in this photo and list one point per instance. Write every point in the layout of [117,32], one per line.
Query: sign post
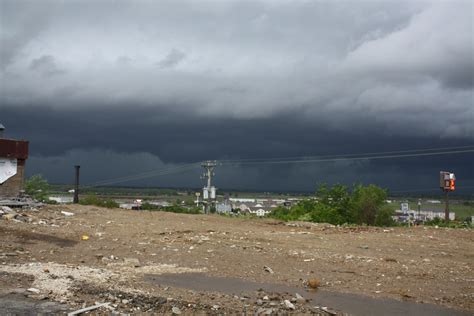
[447,184]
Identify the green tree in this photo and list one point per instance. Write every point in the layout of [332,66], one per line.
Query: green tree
[384,217]
[37,187]
[366,202]
[339,200]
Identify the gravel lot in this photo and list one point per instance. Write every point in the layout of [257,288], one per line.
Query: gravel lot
[45,250]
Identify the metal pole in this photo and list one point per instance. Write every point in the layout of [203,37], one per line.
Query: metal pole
[76,185]
[446,210]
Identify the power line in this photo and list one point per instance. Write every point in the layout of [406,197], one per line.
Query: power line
[288,160]
[302,160]
[147,174]
[343,155]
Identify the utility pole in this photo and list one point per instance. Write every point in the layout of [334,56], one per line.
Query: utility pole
[209,192]
[76,186]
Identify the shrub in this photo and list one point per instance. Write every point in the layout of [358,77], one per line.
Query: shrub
[172,208]
[384,217]
[324,213]
[94,200]
[37,187]
[336,205]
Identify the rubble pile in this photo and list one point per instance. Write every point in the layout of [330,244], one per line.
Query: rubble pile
[7,213]
[20,202]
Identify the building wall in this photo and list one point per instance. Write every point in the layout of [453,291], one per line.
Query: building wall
[13,186]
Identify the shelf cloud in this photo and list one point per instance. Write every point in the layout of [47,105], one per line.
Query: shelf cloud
[187,80]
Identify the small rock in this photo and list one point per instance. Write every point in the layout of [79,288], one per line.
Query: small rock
[289,305]
[10,216]
[176,310]
[259,302]
[125,302]
[264,311]
[266,298]
[33,290]
[268,269]
[314,283]
[300,298]
[134,262]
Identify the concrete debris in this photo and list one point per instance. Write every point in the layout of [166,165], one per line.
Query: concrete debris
[133,262]
[264,311]
[176,311]
[327,310]
[299,297]
[289,305]
[21,202]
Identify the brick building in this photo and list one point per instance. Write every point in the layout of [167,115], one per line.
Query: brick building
[13,155]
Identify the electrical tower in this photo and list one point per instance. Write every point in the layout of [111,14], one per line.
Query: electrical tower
[209,192]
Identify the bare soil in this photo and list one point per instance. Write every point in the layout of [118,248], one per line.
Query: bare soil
[124,248]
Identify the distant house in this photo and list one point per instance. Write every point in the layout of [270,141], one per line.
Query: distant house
[242,200]
[261,212]
[223,208]
[242,207]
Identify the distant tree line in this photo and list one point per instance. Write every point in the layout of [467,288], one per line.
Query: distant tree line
[338,205]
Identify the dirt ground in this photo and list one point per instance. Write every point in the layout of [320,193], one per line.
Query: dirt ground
[45,250]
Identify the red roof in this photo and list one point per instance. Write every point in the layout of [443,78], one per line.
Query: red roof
[10,148]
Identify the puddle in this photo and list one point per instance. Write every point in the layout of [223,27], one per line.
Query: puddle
[349,303]
[15,304]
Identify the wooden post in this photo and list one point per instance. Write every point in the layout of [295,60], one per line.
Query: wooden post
[76,185]
[446,210]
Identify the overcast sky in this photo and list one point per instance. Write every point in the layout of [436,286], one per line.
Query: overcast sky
[122,87]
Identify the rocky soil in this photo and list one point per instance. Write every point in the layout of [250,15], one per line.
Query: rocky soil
[78,256]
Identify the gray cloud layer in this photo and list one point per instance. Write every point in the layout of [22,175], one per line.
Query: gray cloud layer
[178,76]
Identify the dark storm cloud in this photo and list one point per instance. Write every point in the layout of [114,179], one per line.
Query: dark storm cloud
[182,81]
[132,141]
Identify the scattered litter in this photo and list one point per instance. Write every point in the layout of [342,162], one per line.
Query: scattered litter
[85,237]
[268,269]
[67,213]
[33,290]
[86,309]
